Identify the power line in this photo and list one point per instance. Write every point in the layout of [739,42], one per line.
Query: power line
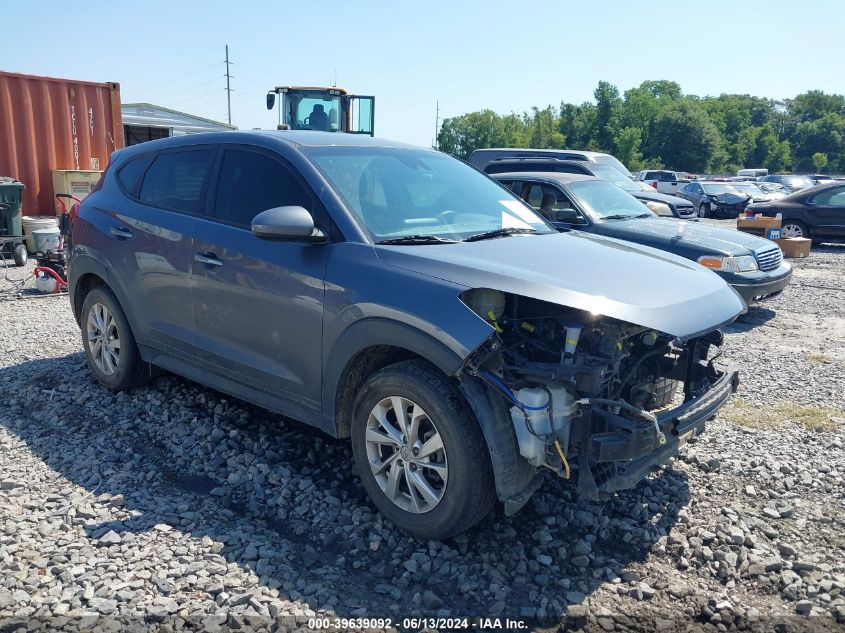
[189,87]
[195,97]
[170,81]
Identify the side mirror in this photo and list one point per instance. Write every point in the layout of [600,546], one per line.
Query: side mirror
[570,216]
[287,223]
[271,100]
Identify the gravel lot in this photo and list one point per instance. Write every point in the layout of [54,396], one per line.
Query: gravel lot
[174,507]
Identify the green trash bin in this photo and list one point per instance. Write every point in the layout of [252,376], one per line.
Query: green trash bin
[11,192]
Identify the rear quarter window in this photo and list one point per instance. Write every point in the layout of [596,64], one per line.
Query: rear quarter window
[129,176]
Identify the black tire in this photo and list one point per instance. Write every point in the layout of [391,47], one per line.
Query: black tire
[799,226]
[469,493]
[20,255]
[704,211]
[131,370]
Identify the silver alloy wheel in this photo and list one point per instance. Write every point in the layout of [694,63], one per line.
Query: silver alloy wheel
[791,230]
[103,339]
[406,454]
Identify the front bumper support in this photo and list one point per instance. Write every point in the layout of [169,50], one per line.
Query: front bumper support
[621,456]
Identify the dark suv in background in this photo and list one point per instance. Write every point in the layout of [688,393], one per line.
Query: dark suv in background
[399,298]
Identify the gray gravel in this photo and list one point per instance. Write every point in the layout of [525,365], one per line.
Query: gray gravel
[173,506]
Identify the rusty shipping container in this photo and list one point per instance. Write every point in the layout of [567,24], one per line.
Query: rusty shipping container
[48,124]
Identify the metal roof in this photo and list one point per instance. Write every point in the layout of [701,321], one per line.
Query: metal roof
[151,115]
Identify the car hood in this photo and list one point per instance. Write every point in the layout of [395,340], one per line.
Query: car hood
[730,198]
[661,197]
[681,237]
[632,283]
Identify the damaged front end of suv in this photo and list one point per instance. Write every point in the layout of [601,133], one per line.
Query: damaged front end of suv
[589,397]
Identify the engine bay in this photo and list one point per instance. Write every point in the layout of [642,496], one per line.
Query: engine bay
[571,376]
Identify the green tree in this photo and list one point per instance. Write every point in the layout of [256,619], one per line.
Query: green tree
[608,108]
[819,161]
[543,129]
[627,144]
[576,123]
[685,137]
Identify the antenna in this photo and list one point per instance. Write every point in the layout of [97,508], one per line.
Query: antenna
[228,89]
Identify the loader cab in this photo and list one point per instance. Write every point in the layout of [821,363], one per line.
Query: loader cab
[323,109]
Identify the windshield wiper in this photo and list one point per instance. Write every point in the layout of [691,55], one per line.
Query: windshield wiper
[498,233]
[621,216]
[644,215]
[417,239]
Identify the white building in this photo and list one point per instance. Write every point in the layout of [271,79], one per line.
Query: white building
[147,122]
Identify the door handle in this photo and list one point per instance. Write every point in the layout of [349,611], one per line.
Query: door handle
[120,233]
[209,259]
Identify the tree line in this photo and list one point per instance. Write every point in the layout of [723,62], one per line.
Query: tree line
[655,125]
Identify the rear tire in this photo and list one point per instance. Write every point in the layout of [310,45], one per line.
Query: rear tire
[430,494]
[110,347]
[794,228]
[20,255]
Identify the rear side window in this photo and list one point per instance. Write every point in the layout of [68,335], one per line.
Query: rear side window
[175,180]
[250,183]
[131,173]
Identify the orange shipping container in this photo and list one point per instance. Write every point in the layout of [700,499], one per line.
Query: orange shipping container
[48,124]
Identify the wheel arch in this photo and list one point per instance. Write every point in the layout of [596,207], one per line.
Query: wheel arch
[381,343]
[367,346]
[87,273]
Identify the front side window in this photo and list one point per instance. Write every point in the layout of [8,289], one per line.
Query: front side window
[395,193]
[830,198]
[252,182]
[175,180]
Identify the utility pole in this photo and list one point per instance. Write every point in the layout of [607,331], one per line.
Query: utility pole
[228,89]
[436,125]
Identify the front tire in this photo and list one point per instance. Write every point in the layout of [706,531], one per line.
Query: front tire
[704,211]
[420,452]
[110,347]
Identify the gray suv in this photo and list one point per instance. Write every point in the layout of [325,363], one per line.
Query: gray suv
[397,297]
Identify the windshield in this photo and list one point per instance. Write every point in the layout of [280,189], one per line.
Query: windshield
[312,110]
[749,187]
[717,189]
[606,201]
[610,161]
[611,174]
[797,182]
[395,193]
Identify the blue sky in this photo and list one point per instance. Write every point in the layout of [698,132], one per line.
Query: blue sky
[507,56]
